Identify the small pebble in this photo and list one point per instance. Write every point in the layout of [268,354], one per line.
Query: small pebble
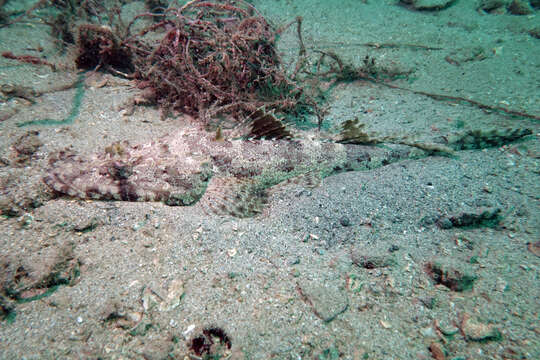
[428,332]
[344,221]
[437,351]
[189,329]
[477,331]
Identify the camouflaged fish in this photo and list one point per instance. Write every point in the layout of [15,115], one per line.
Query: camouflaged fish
[225,175]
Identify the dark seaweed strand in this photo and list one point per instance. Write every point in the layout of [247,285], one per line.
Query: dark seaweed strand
[75,108]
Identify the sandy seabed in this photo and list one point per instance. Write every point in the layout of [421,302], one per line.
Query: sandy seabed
[428,258]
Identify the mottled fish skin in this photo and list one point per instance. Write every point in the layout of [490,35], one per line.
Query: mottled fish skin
[163,170]
[179,168]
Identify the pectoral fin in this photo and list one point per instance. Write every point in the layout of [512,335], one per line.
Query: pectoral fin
[232,196]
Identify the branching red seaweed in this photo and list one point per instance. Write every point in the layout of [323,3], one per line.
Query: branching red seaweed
[206,58]
[215,57]
[29,59]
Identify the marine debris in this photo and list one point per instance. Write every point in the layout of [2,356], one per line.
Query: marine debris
[74,112]
[23,281]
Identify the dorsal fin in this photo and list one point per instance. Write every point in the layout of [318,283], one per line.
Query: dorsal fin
[266,125]
[263,125]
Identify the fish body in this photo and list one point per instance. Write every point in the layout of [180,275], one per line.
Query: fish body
[230,176]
